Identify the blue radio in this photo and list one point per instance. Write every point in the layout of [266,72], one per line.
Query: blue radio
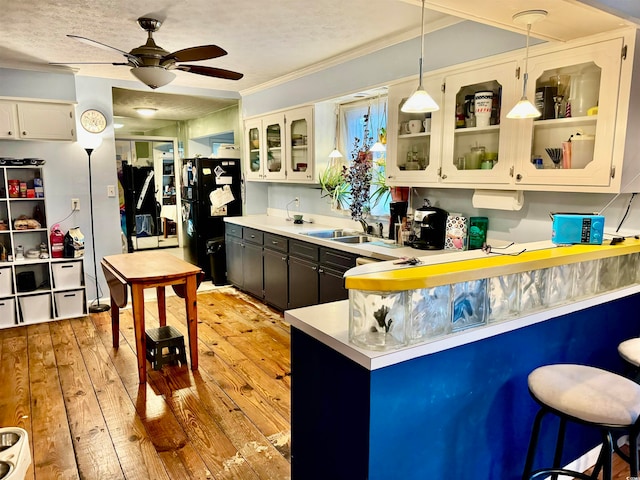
[572,228]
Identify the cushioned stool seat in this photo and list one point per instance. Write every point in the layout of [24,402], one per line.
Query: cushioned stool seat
[165,346]
[590,396]
[629,350]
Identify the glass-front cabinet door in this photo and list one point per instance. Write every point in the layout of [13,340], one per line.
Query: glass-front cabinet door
[274,130]
[413,145]
[253,147]
[572,142]
[299,144]
[479,143]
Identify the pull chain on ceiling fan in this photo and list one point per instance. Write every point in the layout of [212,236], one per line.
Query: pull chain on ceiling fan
[153,65]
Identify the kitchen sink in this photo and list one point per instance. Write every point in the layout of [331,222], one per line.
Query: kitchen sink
[330,234]
[354,239]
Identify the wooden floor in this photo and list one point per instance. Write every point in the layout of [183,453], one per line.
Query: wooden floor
[88,417]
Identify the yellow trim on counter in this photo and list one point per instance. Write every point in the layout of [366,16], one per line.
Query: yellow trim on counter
[493,265]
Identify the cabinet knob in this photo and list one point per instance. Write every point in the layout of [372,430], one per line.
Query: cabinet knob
[314,268]
[9,132]
[24,133]
[320,270]
[444,177]
[518,177]
[284,259]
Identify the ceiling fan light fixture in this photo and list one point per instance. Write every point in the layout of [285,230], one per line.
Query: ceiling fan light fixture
[146,111]
[153,77]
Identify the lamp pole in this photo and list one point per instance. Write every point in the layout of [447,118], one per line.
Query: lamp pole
[98,307]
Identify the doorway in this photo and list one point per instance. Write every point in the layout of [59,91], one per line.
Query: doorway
[148,193]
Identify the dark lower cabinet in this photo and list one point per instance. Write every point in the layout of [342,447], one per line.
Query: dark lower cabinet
[303,282]
[234,260]
[252,269]
[331,285]
[286,273]
[276,277]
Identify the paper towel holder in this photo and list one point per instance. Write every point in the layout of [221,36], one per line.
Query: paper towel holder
[498,199]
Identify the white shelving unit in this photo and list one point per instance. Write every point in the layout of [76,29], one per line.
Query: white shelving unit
[33,290]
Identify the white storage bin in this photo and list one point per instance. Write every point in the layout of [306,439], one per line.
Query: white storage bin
[6,281]
[35,308]
[67,274]
[7,311]
[69,304]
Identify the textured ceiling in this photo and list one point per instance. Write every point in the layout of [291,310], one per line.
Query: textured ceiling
[264,40]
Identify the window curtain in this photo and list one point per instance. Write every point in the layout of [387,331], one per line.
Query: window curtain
[352,117]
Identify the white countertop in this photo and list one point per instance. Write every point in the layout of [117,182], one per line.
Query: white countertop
[329,324]
[281,226]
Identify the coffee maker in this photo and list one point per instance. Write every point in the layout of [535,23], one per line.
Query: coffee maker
[397,211]
[429,227]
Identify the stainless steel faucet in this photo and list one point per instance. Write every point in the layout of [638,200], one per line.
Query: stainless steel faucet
[365,226]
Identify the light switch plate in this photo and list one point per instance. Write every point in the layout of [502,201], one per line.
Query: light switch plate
[111,191]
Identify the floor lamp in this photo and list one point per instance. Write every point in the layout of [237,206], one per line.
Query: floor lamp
[90,142]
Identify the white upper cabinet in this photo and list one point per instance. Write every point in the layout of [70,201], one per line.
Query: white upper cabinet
[478,143]
[589,93]
[280,147]
[413,139]
[37,121]
[577,90]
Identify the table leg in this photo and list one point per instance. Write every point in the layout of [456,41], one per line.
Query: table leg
[115,323]
[162,306]
[137,294]
[191,303]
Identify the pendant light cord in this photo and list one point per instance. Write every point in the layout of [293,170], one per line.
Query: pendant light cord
[420,87]
[526,64]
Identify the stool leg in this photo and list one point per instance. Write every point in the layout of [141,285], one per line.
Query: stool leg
[557,458]
[607,452]
[533,444]
[633,452]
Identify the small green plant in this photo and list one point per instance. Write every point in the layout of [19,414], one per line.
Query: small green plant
[334,185]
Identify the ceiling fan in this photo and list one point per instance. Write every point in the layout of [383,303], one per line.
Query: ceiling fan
[153,65]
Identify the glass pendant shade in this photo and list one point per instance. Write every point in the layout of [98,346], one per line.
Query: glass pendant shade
[378,147]
[524,109]
[335,154]
[419,102]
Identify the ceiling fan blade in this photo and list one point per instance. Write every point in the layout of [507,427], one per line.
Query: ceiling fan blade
[95,43]
[87,63]
[211,72]
[193,54]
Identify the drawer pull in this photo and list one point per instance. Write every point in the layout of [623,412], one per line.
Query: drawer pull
[274,242]
[66,266]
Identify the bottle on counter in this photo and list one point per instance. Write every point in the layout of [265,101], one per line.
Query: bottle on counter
[478,227]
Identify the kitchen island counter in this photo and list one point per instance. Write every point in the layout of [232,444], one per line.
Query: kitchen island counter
[454,407]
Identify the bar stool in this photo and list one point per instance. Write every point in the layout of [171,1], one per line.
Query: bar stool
[165,346]
[629,350]
[588,396]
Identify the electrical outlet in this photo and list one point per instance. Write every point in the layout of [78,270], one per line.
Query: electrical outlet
[111,191]
[297,202]
[75,204]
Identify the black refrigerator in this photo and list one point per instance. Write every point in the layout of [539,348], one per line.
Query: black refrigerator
[211,190]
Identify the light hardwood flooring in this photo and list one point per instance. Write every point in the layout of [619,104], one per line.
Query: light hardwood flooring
[88,418]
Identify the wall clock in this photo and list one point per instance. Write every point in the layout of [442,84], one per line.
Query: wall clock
[93,121]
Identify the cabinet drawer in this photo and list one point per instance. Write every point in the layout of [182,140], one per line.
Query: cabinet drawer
[275,242]
[233,230]
[303,250]
[252,235]
[341,261]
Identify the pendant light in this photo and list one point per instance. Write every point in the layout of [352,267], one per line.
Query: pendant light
[420,101]
[378,146]
[335,153]
[524,108]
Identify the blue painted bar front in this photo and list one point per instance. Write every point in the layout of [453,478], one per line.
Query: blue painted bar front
[463,412]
